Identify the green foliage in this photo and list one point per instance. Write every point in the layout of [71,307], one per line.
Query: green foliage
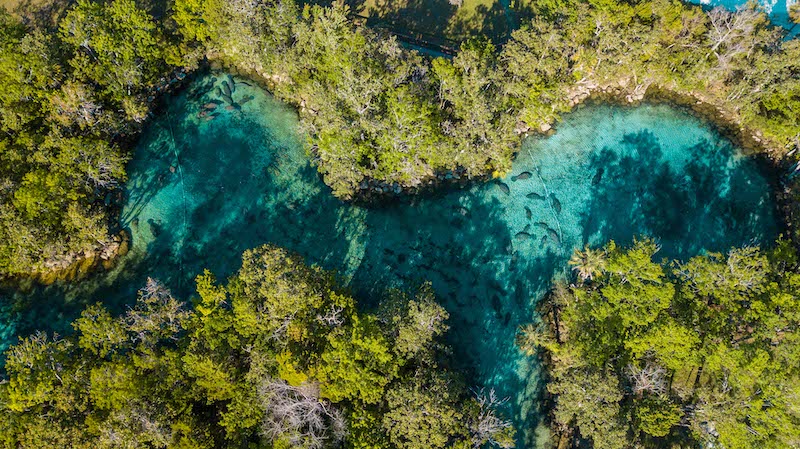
[68,96]
[115,45]
[424,413]
[357,364]
[278,357]
[657,416]
[645,342]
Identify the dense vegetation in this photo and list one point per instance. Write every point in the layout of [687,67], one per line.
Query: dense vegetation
[706,353]
[371,109]
[277,358]
[69,97]
[374,110]
[642,352]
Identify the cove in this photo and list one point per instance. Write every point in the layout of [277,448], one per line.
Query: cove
[205,186]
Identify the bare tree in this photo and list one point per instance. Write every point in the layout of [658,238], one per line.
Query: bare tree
[488,427]
[650,379]
[732,33]
[157,315]
[299,415]
[333,317]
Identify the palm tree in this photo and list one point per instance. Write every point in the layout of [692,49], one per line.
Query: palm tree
[588,262]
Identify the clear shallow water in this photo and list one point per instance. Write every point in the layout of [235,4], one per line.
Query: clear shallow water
[241,180]
[778,10]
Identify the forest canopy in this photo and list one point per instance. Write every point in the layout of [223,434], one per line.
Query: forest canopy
[646,352]
[278,357]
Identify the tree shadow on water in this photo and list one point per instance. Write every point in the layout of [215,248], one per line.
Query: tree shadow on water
[488,281]
[709,202]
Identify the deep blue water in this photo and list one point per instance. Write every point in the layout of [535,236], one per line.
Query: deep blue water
[202,190]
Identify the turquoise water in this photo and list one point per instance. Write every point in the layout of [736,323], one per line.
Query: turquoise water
[778,10]
[202,190]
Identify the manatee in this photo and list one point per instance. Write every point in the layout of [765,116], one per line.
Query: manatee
[522,236]
[210,105]
[542,225]
[598,176]
[556,204]
[226,88]
[535,196]
[528,212]
[233,83]
[246,99]
[503,187]
[554,235]
[155,229]
[522,176]
[227,99]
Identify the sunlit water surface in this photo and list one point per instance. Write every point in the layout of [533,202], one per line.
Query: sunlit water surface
[202,190]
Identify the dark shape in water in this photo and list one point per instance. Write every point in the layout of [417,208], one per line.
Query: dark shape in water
[528,213]
[543,241]
[542,225]
[556,204]
[227,99]
[554,235]
[503,187]
[246,99]
[522,176]
[232,82]
[598,176]
[522,236]
[535,196]
[226,88]
[155,229]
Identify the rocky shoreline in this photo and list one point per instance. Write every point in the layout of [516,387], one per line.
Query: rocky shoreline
[74,267]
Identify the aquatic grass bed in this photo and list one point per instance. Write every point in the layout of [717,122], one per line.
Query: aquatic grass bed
[222,170]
